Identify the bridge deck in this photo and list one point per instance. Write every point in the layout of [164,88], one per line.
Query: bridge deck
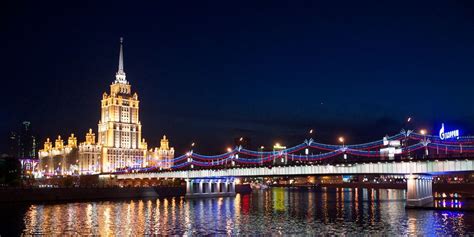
[409,167]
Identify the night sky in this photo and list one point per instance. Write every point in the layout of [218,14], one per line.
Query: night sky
[212,71]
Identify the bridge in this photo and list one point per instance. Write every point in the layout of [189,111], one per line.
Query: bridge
[214,175]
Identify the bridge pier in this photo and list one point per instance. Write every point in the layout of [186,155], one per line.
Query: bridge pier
[210,187]
[419,190]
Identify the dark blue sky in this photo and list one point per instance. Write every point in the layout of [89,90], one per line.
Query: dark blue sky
[212,71]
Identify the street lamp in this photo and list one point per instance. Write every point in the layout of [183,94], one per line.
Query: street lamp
[341,140]
[407,132]
[423,132]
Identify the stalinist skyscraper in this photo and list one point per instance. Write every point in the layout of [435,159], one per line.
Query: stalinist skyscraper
[120,130]
[120,144]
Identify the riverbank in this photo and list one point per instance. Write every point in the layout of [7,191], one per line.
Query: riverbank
[83,194]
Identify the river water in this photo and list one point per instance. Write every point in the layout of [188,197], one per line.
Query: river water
[272,211]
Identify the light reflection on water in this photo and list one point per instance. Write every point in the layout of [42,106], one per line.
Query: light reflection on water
[277,210]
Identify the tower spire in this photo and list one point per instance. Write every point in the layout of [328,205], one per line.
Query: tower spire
[120,76]
[120,68]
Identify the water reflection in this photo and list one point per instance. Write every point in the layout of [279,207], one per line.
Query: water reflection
[449,203]
[277,210]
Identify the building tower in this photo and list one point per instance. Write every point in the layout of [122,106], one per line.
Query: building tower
[161,157]
[89,155]
[23,142]
[166,154]
[120,130]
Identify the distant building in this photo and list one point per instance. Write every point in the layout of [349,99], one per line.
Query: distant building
[10,170]
[161,157]
[23,142]
[22,146]
[13,144]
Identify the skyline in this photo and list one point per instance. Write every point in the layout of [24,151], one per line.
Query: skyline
[202,118]
[235,80]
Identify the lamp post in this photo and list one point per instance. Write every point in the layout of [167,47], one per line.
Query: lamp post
[190,158]
[229,150]
[405,142]
[341,140]
[306,150]
[424,132]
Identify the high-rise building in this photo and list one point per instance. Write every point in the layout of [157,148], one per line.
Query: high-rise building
[120,130]
[120,144]
[23,142]
[22,145]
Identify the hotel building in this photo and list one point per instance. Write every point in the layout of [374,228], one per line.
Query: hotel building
[120,143]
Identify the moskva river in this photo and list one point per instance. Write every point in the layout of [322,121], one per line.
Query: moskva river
[279,211]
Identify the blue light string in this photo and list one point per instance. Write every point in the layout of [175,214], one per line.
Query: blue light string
[266,156]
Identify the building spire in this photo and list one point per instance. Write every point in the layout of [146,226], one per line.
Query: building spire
[120,76]
[120,68]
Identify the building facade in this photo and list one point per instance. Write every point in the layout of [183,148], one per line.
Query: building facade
[120,130]
[119,145]
[161,157]
[23,142]
[89,155]
[59,159]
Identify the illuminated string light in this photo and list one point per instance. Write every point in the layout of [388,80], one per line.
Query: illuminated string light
[358,150]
